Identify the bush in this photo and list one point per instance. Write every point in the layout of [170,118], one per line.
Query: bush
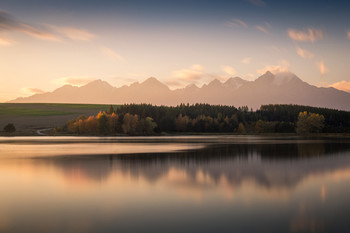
[9,128]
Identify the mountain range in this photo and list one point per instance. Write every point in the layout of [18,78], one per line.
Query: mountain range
[280,88]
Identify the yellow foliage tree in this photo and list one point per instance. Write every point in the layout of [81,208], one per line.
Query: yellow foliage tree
[310,123]
[241,129]
[181,122]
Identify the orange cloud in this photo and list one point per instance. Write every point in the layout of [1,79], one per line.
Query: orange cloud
[349,35]
[342,85]
[192,74]
[112,54]
[41,34]
[304,53]
[74,33]
[246,60]
[74,81]
[322,67]
[4,41]
[282,67]
[229,70]
[9,23]
[310,35]
[33,90]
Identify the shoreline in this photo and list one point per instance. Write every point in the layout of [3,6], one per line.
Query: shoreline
[39,133]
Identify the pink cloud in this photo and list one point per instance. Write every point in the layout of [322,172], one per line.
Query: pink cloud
[310,35]
[304,53]
[237,22]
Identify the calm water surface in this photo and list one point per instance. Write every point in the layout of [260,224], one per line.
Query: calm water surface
[174,184]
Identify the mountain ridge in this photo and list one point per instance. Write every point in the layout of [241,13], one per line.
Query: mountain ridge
[269,88]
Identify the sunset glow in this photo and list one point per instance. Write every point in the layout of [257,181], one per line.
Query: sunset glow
[44,45]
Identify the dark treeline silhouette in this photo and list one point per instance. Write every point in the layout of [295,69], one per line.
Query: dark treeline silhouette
[147,119]
[336,121]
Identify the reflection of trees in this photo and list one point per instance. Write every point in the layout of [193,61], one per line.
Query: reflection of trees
[311,150]
[269,165]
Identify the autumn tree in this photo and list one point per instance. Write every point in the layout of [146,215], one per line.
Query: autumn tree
[91,125]
[146,126]
[130,123]
[103,125]
[241,129]
[181,123]
[113,121]
[80,124]
[259,126]
[310,123]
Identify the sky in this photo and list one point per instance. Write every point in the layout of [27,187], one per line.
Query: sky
[45,44]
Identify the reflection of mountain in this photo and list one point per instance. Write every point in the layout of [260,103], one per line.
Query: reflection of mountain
[269,165]
[282,88]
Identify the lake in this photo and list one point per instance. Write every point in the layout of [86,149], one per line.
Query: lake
[174,184]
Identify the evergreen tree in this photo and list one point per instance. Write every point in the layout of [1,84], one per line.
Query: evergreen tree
[110,110]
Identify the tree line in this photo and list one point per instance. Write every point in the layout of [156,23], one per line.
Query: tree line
[146,119]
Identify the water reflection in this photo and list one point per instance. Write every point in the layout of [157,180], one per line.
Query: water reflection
[274,186]
[268,165]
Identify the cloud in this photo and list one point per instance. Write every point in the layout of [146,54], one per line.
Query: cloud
[174,83]
[4,41]
[73,80]
[194,73]
[32,91]
[43,32]
[237,23]
[246,60]
[262,29]
[342,85]
[138,75]
[9,23]
[322,67]
[310,35]
[257,2]
[283,66]
[250,75]
[77,34]
[349,35]
[304,53]
[229,70]
[112,54]
[265,29]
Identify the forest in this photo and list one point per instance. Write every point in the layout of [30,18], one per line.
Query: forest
[146,119]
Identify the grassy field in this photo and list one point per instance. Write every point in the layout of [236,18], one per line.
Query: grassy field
[27,118]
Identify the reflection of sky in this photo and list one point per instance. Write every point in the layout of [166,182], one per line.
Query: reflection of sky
[126,41]
[220,186]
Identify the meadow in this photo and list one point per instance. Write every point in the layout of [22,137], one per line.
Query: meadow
[27,118]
